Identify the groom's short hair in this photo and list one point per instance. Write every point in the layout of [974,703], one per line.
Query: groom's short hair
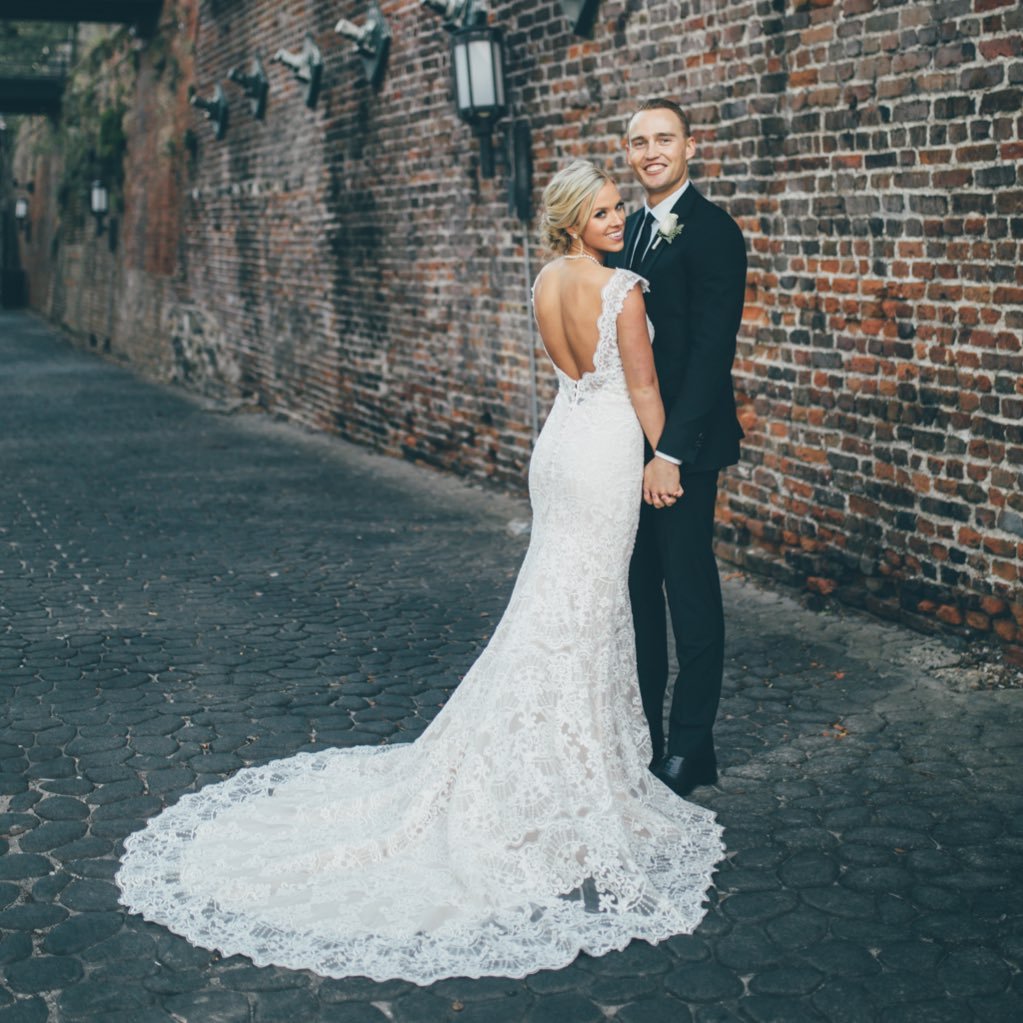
[659,103]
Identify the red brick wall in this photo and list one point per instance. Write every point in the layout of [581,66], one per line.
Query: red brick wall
[348,267]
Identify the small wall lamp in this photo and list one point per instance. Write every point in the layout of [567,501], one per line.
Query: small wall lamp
[307,67]
[99,204]
[255,85]
[21,213]
[372,41]
[216,111]
[477,60]
[477,65]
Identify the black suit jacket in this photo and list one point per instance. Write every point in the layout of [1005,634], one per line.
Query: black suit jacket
[697,288]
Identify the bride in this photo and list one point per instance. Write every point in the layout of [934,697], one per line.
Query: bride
[523,826]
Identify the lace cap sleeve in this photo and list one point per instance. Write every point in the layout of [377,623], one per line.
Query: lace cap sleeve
[616,289]
[613,296]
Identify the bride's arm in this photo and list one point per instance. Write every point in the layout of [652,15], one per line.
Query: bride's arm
[638,362]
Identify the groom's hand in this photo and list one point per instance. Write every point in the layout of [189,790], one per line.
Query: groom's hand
[662,484]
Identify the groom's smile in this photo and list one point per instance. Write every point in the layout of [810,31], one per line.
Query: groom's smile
[659,151]
[652,170]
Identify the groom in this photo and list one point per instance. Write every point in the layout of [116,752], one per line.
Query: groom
[694,257]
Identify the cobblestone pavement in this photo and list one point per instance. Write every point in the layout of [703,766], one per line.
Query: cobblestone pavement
[184,592]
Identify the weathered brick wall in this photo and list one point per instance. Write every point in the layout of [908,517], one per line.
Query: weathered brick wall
[347,266]
[882,361]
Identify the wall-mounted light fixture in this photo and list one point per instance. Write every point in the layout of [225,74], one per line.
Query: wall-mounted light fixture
[216,111]
[21,213]
[99,204]
[255,85]
[477,66]
[307,67]
[372,41]
[580,14]
[477,61]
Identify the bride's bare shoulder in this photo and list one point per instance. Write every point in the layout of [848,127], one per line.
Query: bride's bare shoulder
[575,268]
[546,273]
[571,280]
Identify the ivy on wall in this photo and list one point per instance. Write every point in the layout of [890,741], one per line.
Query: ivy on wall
[89,137]
[94,145]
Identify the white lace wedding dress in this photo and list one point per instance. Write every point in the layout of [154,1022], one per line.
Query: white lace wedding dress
[522,826]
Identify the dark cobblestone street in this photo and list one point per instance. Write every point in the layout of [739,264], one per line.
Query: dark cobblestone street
[185,591]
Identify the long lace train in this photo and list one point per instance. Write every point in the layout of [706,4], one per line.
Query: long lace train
[521,827]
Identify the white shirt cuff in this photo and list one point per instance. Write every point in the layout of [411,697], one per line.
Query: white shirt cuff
[668,458]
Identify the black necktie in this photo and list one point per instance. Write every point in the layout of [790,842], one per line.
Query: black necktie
[642,240]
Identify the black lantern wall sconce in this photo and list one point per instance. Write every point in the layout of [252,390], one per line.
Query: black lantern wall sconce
[580,14]
[255,85]
[99,204]
[477,55]
[306,66]
[21,213]
[216,111]
[477,63]
[372,41]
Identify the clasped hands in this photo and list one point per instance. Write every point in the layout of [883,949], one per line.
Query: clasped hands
[662,485]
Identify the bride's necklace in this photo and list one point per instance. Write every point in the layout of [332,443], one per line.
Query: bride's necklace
[585,255]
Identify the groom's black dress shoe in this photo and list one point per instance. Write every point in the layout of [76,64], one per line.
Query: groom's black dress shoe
[683,774]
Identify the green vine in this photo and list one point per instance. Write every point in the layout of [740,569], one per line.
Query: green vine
[90,135]
[93,149]
[111,146]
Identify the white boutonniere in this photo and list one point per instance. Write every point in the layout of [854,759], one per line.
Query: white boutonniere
[668,230]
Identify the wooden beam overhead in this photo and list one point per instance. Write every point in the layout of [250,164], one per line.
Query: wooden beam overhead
[141,12]
[36,94]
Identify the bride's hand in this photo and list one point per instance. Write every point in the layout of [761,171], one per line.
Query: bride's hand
[661,483]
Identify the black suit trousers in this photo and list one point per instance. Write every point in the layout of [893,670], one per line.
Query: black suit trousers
[674,559]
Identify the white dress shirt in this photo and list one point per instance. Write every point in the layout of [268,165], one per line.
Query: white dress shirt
[661,210]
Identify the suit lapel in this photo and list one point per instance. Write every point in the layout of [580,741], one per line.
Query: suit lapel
[681,209]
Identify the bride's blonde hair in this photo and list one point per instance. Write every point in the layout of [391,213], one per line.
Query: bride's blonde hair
[568,202]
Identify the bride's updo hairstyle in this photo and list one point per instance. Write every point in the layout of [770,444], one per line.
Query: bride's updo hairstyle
[568,202]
